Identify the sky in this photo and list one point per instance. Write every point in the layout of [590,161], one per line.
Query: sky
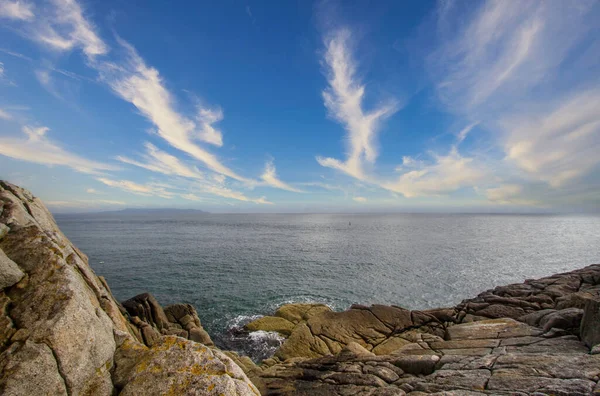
[299,106]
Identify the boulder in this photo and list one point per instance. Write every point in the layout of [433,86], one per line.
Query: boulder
[145,307]
[180,367]
[590,323]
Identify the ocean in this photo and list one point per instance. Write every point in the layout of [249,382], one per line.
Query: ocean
[234,267]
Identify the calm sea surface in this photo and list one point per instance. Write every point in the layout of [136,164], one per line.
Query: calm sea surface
[234,266]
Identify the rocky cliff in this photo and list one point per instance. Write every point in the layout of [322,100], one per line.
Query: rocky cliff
[62,332]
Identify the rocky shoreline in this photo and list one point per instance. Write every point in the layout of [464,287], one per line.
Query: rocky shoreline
[62,332]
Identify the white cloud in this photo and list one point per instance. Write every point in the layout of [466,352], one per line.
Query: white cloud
[270,178]
[516,68]
[92,191]
[230,194]
[142,86]
[191,197]
[66,28]
[360,199]
[206,132]
[5,115]
[560,145]
[38,148]
[139,189]
[509,194]
[19,10]
[162,162]
[84,204]
[447,174]
[462,135]
[344,101]
[501,50]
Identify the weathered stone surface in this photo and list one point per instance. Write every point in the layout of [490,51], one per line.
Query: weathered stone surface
[145,307]
[465,344]
[302,343]
[485,329]
[511,381]
[178,366]
[552,365]
[590,323]
[10,273]
[568,319]
[271,323]
[29,369]
[60,324]
[390,345]
[299,312]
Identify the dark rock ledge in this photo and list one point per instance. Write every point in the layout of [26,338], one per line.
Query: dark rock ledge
[62,332]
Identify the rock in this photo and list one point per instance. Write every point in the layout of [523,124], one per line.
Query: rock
[465,344]
[302,343]
[200,335]
[60,325]
[573,300]
[512,381]
[582,365]
[390,345]
[459,379]
[29,368]
[10,273]
[145,307]
[490,329]
[271,323]
[416,364]
[501,311]
[178,366]
[590,323]
[297,313]
[186,317]
[534,318]
[355,349]
[382,372]
[567,319]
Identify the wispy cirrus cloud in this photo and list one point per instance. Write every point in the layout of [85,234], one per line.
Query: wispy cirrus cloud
[493,65]
[269,176]
[84,204]
[556,146]
[5,115]
[137,188]
[159,161]
[16,9]
[38,148]
[344,100]
[63,27]
[143,87]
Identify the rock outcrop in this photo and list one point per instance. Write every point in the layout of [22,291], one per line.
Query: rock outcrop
[152,321]
[540,336]
[63,333]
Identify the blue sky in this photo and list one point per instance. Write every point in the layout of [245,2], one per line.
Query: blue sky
[296,106]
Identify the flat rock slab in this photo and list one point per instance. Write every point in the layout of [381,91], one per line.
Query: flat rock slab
[462,344]
[508,381]
[491,329]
